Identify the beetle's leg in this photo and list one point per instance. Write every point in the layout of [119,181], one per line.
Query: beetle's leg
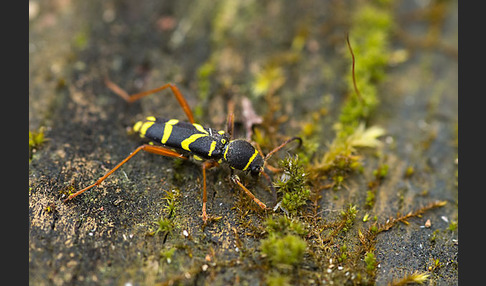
[206,165]
[230,121]
[148,148]
[230,125]
[252,196]
[131,98]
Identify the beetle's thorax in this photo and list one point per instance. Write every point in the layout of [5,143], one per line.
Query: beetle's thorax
[241,155]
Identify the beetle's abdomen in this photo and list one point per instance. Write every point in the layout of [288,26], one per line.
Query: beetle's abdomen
[203,142]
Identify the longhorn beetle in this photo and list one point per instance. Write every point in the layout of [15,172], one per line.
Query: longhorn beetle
[178,139]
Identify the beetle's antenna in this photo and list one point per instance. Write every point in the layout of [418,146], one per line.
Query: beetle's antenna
[281,146]
[354,75]
[230,125]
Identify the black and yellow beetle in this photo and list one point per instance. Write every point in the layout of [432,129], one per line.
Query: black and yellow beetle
[174,138]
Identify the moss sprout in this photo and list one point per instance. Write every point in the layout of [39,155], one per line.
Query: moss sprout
[36,139]
[165,225]
[381,172]
[409,172]
[167,254]
[452,226]
[348,216]
[416,277]
[370,261]
[343,253]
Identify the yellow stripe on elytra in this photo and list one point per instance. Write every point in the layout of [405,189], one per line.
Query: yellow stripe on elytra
[186,142]
[225,152]
[200,128]
[251,160]
[211,148]
[145,126]
[168,130]
[137,126]
[142,127]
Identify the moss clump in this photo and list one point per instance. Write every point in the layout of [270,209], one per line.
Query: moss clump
[284,245]
[343,152]
[288,249]
[293,185]
[348,216]
[285,225]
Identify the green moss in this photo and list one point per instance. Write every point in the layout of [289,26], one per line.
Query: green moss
[36,139]
[452,226]
[370,198]
[369,39]
[342,152]
[293,185]
[171,199]
[348,216]
[204,73]
[414,278]
[381,172]
[343,253]
[81,39]
[167,254]
[409,172]
[284,244]
[165,225]
[166,222]
[288,249]
[285,225]
[370,261]
[275,278]
[268,78]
